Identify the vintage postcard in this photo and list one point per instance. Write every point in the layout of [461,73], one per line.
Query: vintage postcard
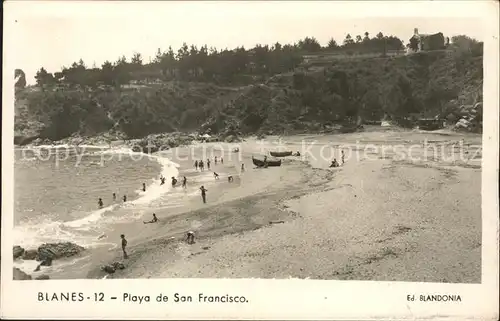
[250,160]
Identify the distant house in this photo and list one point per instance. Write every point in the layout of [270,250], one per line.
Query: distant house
[428,41]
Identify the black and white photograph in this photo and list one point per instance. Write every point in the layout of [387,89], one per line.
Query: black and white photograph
[237,140]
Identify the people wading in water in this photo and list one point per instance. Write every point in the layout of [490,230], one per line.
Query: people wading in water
[162,181]
[154,220]
[230,178]
[174,181]
[114,196]
[203,194]
[124,198]
[143,187]
[196,165]
[208,164]
[100,203]
[200,164]
[124,246]
[184,182]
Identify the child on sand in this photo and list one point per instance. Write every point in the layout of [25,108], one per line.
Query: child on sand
[190,237]
[203,194]
[216,176]
[154,220]
[124,245]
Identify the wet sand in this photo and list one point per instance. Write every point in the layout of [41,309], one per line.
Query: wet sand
[378,217]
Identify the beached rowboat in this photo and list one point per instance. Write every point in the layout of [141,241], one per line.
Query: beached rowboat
[270,162]
[281,154]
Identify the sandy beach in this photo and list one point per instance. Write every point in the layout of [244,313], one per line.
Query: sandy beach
[377,217]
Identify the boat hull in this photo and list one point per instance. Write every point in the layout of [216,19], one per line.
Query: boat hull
[270,163]
[281,154]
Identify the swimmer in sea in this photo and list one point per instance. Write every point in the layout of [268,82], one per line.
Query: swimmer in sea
[114,196]
[100,203]
[154,220]
[143,187]
[124,198]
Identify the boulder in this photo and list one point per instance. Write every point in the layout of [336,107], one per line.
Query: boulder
[30,254]
[42,277]
[17,251]
[54,251]
[20,275]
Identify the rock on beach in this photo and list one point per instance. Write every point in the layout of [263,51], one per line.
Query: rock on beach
[53,251]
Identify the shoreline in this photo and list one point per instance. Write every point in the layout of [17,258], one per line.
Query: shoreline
[235,224]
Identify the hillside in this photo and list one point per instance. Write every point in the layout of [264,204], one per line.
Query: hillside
[426,84]
[313,96]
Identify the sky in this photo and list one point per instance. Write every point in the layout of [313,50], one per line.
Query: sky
[56,34]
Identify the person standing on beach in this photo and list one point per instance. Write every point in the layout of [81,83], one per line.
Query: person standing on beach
[200,164]
[343,155]
[184,182]
[203,194]
[242,167]
[221,160]
[114,196]
[124,246]
[143,187]
[216,176]
[215,160]
[196,164]
[124,198]
[208,164]
[100,203]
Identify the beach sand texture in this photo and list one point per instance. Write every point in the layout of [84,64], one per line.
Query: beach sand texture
[375,218]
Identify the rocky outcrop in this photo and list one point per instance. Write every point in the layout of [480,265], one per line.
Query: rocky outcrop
[21,140]
[29,255]
[53,251]
[20,275]
[17,251]
[470,118]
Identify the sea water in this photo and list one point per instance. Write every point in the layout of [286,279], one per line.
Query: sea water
[56,192]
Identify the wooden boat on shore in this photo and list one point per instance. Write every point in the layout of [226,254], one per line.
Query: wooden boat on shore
[281,154]
[269,162]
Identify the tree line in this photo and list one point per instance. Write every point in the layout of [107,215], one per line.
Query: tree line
[209,64]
